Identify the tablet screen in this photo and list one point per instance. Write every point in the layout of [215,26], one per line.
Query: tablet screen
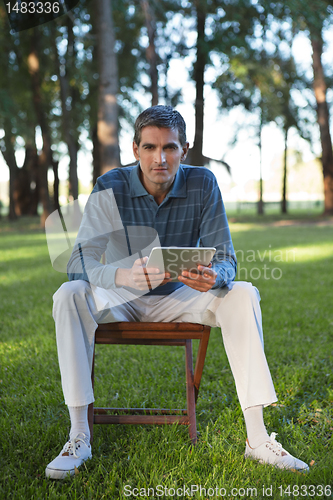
[174,260]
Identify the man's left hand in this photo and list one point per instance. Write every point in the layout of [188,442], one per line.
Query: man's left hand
[201,281]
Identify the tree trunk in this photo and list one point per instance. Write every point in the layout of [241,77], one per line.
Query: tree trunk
[195,154]
[260,201]
[24,188]
[107,121]
[95,155]
[8,153]
[34,185]
[320,87]
[45,158]
[56,205]
[67,122]
[12,182]
[284,181]
[151,50]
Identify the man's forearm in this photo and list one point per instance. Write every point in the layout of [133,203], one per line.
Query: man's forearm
[122,277]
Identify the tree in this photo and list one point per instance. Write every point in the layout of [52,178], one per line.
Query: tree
[250,82]
[68,96]
[220,25]
[202,58]
[30,91]
[107,125]
[62,68]
[301,16]
[8,152]
[151,54]
[289,115]
[45,158]
[219,14]
[17,119]
[320,89]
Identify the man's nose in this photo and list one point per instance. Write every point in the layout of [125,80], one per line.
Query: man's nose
[160,157]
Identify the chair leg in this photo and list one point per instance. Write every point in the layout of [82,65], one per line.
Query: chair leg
[190,395]
[199,365]
[91,420]
[91,405]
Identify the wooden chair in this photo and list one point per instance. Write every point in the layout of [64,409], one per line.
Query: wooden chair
[174,334]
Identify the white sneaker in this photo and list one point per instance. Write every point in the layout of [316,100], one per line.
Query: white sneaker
[271,452]
[73,454]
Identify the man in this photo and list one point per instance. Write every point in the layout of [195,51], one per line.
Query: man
[180,206]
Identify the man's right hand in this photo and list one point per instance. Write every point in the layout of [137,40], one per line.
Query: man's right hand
[140,277]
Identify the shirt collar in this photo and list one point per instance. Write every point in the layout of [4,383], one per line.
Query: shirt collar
[136,188]
[178,189]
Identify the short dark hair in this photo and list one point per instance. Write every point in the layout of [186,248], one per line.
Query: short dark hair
[161,117]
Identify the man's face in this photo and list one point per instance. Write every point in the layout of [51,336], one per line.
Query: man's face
[160,154]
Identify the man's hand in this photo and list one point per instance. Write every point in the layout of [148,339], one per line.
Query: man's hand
[201,281]
[140,277]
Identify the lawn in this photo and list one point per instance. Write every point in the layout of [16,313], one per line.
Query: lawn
[291,264]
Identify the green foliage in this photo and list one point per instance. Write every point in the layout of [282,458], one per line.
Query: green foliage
[246,47]
[15,95]
[298,321]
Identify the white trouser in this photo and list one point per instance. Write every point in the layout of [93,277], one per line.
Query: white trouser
[78,308]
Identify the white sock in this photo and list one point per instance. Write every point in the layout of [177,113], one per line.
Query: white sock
[79,421]
[255,427]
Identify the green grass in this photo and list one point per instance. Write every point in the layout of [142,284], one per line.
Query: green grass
[298,327]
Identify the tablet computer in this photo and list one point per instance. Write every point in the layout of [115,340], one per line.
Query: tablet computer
[174,260]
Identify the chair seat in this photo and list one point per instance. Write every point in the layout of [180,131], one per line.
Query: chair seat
[174,334]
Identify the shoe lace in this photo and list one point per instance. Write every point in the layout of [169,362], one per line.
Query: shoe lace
[73,444]
[273,440]
[275,445]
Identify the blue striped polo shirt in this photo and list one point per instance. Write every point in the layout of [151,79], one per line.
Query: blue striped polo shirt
[121,217]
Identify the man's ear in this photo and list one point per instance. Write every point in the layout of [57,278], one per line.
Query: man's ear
[185,150]
[136,151]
